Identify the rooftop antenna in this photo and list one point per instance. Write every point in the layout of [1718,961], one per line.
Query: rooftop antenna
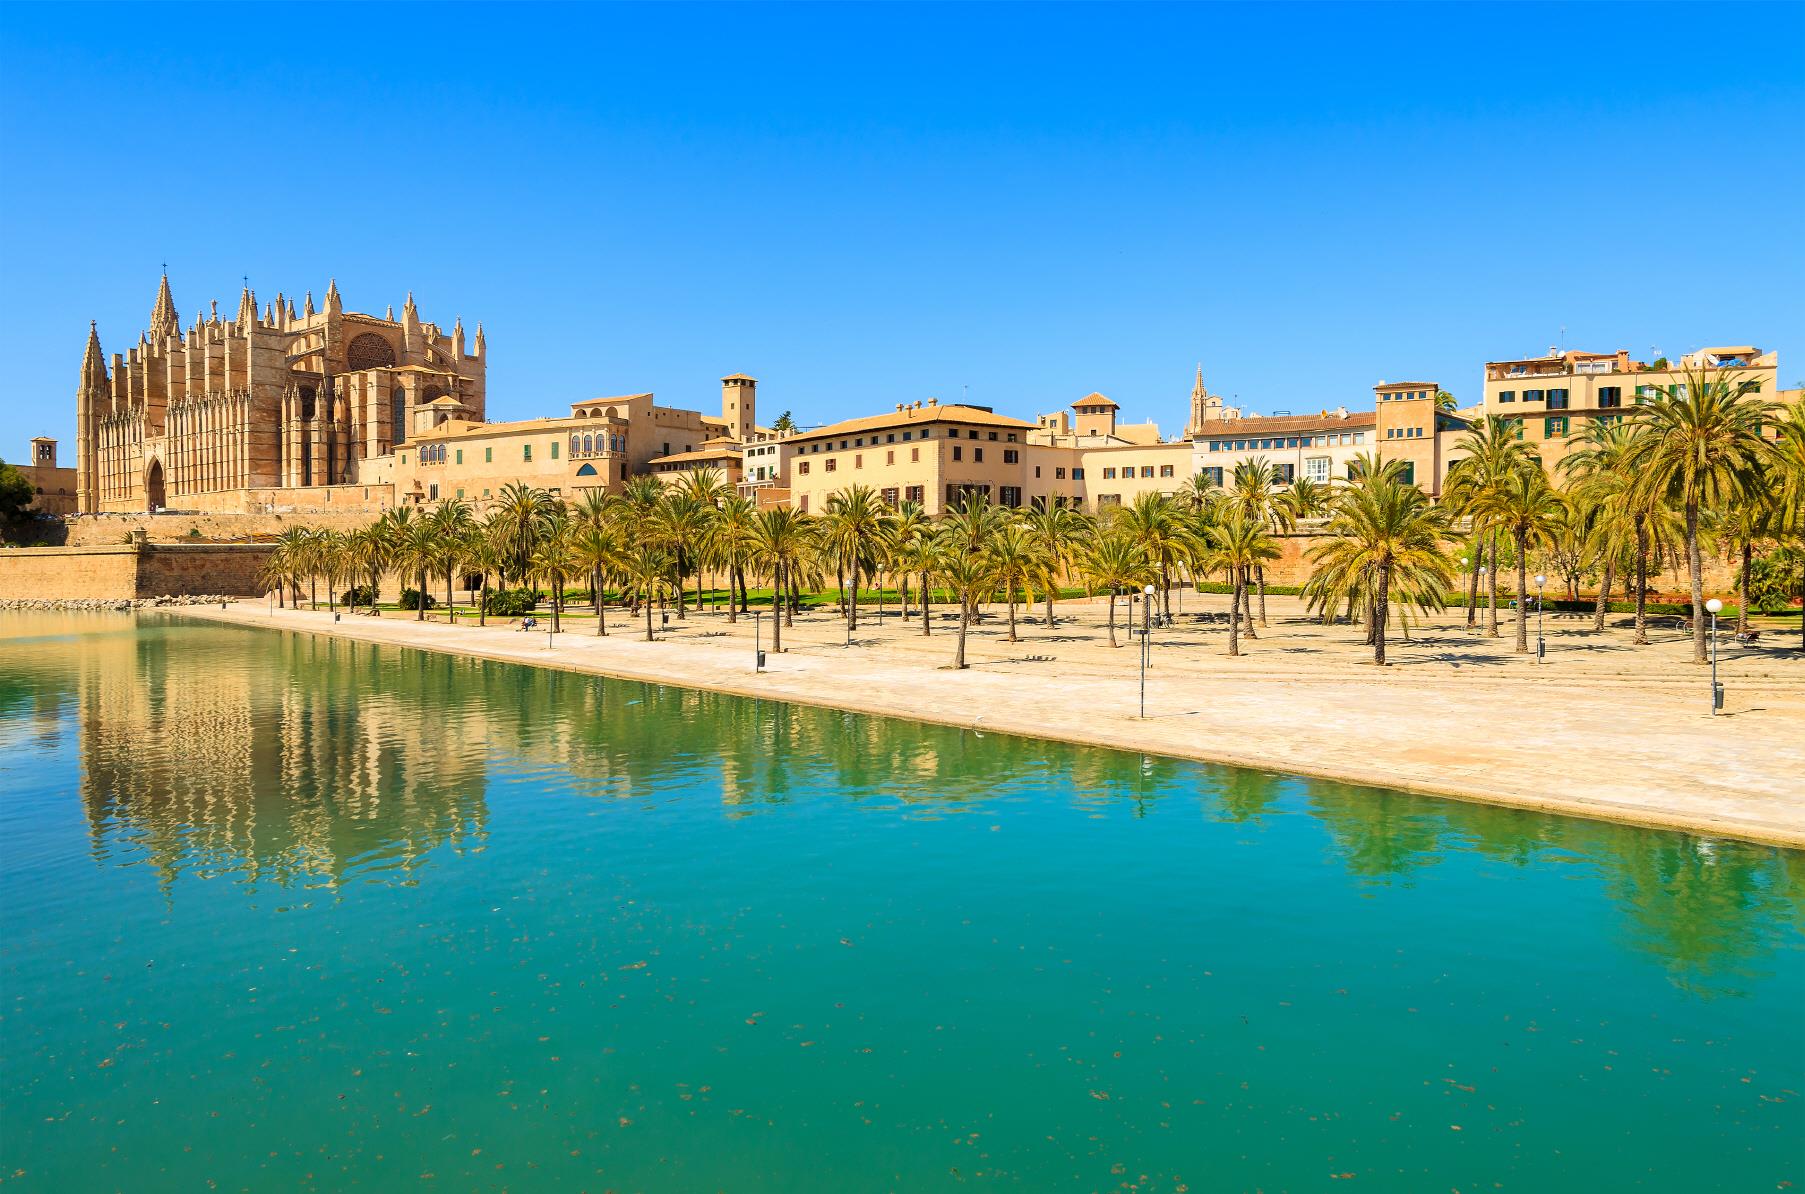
[1563,337]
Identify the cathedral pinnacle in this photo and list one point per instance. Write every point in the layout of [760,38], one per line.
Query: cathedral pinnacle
[93,361]
[163,318]
[247,307]
[333,301]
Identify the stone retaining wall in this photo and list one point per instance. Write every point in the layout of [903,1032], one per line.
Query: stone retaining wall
[131,571]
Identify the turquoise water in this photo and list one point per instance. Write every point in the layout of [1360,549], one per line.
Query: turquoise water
[286,913]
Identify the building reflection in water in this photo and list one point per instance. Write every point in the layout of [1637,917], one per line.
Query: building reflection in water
[292,760]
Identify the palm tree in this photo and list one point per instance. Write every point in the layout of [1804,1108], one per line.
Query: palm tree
[972,575]
[1382,531]
[1152,521]
[289,559]
[1493,450]
[1240,544]
[1702,449]
[1524,506]
[553,562]
[1599,472]
[369,549]
[851,526]
[1114,560]
[1787,487]
[780,543]
[918,551]
[1019,564]
[680,522]
[521,517]
[483,556]
[727,545]
[1254,496]
[416,551]
[647,566]
[451,522]
[595,549]
[1056,531]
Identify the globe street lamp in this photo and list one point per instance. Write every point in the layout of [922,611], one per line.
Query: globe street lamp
[1541,643]
[1713,607]
[1476,589]
[1466,563]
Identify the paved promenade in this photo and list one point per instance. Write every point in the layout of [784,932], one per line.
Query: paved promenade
[1602,729]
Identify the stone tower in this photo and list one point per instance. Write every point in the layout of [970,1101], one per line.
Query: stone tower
[1206,407]
[739,406]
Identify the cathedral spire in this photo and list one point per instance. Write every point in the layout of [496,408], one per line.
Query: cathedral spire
[93,361]
[457,339]
[163,319]
[247,307]
[308,309]
[482,345]
[333,302]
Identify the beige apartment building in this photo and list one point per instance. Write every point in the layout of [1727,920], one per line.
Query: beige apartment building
[1553,398]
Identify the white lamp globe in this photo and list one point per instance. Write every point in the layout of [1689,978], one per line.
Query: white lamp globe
[1148,590]
[1714,605]
[1540,580]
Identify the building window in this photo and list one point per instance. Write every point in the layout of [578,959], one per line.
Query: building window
[1316,468]
[890,498]
[1011,456]
[460,495]
[1609,396]
[488,456]
[1554,426]
[432,492]
[914,455]
[1108,499]
[832,464]
[1507,395]
[1077,474]
[1533,395]
[977,454]
[1407,474]
[802,468]
[1109,474]
[1165,470]
[958,452]
[526,452]
[554,449]
[889,457]
[1009,495]
[914,493]
[460,458]
[1146,470]
[1058,474]
[1557,400]
[858,460]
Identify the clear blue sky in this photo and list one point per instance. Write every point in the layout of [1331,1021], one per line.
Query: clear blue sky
[865,205]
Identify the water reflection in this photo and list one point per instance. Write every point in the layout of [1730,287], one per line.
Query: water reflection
[209,751]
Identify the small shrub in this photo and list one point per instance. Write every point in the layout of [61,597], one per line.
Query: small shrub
[511,603]
[362,595]
[411,599]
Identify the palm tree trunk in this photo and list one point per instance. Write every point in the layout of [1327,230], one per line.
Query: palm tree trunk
[1112,616]
[1011,596]
[1247,600]
[1641,580]
[557,602]
[482,610]
[1051,585]
[1522,593]
[1259,572]
[1696,567]
[1473,594]
[1381,610]
[903,574]
[1742,588]
[420,596]
[852,598]
[1234,617]
[964,618]
[791,598]
[448,601]
[776,622]
[1491,588]
[1165,589]
[648,619]
[927,624]
[1604,593]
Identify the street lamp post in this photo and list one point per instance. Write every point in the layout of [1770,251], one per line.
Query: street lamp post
[1541,643]
[1476,589]
[1146,640]
[1713,606]
[758,650]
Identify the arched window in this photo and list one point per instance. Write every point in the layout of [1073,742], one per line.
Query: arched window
[306,403]
[588,444]
[587,470]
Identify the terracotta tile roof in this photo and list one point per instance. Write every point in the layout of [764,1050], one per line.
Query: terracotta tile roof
[1358,420]
[1095,399]
[688,457]
[914,416]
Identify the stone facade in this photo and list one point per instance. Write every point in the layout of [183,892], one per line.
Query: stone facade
[208,417]
[53,486]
